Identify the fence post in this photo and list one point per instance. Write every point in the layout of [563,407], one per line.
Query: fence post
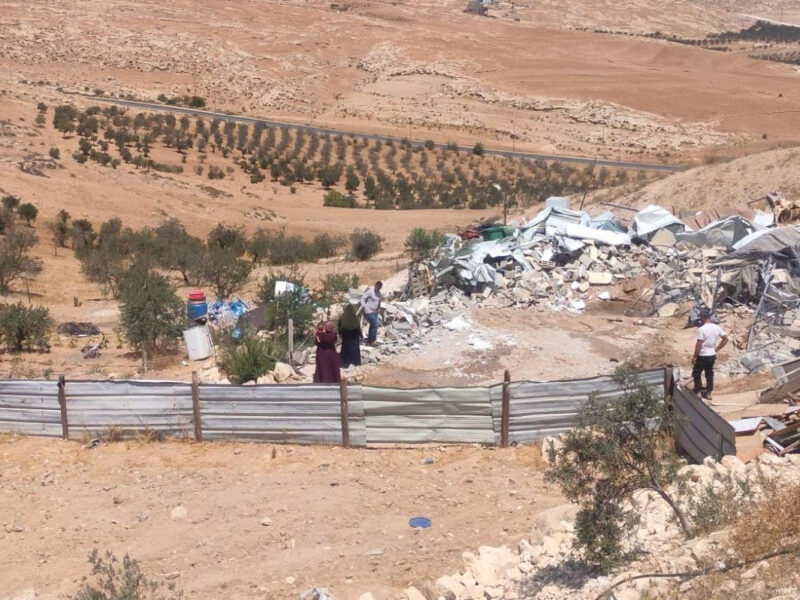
[290,340]
[62,403]
[345,412]
[198,426]
[506,409]
[669,382]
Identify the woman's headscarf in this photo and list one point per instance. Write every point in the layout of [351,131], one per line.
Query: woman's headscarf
[329,326]
[349,319]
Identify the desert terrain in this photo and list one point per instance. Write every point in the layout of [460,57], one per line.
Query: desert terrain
[570,78]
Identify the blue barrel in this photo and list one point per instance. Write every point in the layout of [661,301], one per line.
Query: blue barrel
[197,307]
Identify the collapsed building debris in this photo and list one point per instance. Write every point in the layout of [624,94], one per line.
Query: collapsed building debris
[562,258]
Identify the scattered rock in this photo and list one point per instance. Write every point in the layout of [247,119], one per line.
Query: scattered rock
[179,512]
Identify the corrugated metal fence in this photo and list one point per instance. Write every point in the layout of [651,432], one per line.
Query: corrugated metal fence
[699,430]
[314,414]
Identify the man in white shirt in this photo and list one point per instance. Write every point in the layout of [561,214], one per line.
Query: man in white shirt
[710,340]
[371,303]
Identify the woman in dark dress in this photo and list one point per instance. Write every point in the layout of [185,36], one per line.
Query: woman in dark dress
[350,330]
[327,370]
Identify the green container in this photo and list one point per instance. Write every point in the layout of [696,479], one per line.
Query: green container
[493,233]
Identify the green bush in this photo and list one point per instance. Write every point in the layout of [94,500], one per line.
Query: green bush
[54,153]
[295,305]
[248,358]
[364,244]
[339,282]
[339,200]
[421,243]
[151,314]
[28,212]
[122,581]
[24,327]
[616,447]
[478,149]
[326,245]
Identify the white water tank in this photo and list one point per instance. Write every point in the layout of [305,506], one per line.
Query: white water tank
[198,342]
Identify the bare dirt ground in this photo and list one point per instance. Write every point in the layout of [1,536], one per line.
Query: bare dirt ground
[543,82]
[338,518]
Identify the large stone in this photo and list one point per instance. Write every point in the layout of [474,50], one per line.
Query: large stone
[489,566]
[413,593]
[668,310]
[451,585]
[366,596]
[282,372]
[734,464]
[663,238]
[603,278]
[179,512]
[549,521]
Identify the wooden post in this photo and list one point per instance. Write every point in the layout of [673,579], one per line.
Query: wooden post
[669,382]
[198,426]
[505,410]
[345,412]
[62,403]
[290,341]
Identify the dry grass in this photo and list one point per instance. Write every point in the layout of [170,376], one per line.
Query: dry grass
[769,526]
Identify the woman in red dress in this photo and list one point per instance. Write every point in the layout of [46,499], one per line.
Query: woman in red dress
[327,370]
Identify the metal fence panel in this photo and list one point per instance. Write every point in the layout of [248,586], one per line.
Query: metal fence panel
[292,414]
[30,408]
[699,430]
[452,415]
[130,407]
[541,409]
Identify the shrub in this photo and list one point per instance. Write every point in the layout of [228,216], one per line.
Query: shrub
[339,282]
[223,268]
[421,243]
[364,244]
[28,212]
[229,238]
[295,305]
[430,145]
[290,249]
[326,245]
[106,257]
[339,200]
[617,446]
[215,172]
[151,314]
[121,581]
[478,149]
[61,229]
[15,262]
[10,202]
[249,357]
[260,245]
[24,327]
[179,251]
[452,146]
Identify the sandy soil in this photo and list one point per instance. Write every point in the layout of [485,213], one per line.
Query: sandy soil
[728,183]
[339,519]
[424,69]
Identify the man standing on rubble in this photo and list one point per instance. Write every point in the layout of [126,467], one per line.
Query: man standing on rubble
[371,303]
[710,340]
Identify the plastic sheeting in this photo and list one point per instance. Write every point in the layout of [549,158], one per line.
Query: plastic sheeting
[724,233]
[652,218]
[781,241]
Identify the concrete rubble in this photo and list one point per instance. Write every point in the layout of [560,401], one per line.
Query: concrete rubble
[561,260]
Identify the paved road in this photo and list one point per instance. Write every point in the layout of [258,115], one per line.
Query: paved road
[384,138]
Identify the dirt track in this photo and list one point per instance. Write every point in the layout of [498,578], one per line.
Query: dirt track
[339,518]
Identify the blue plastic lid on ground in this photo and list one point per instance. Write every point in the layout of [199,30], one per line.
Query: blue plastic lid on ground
[419,522]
